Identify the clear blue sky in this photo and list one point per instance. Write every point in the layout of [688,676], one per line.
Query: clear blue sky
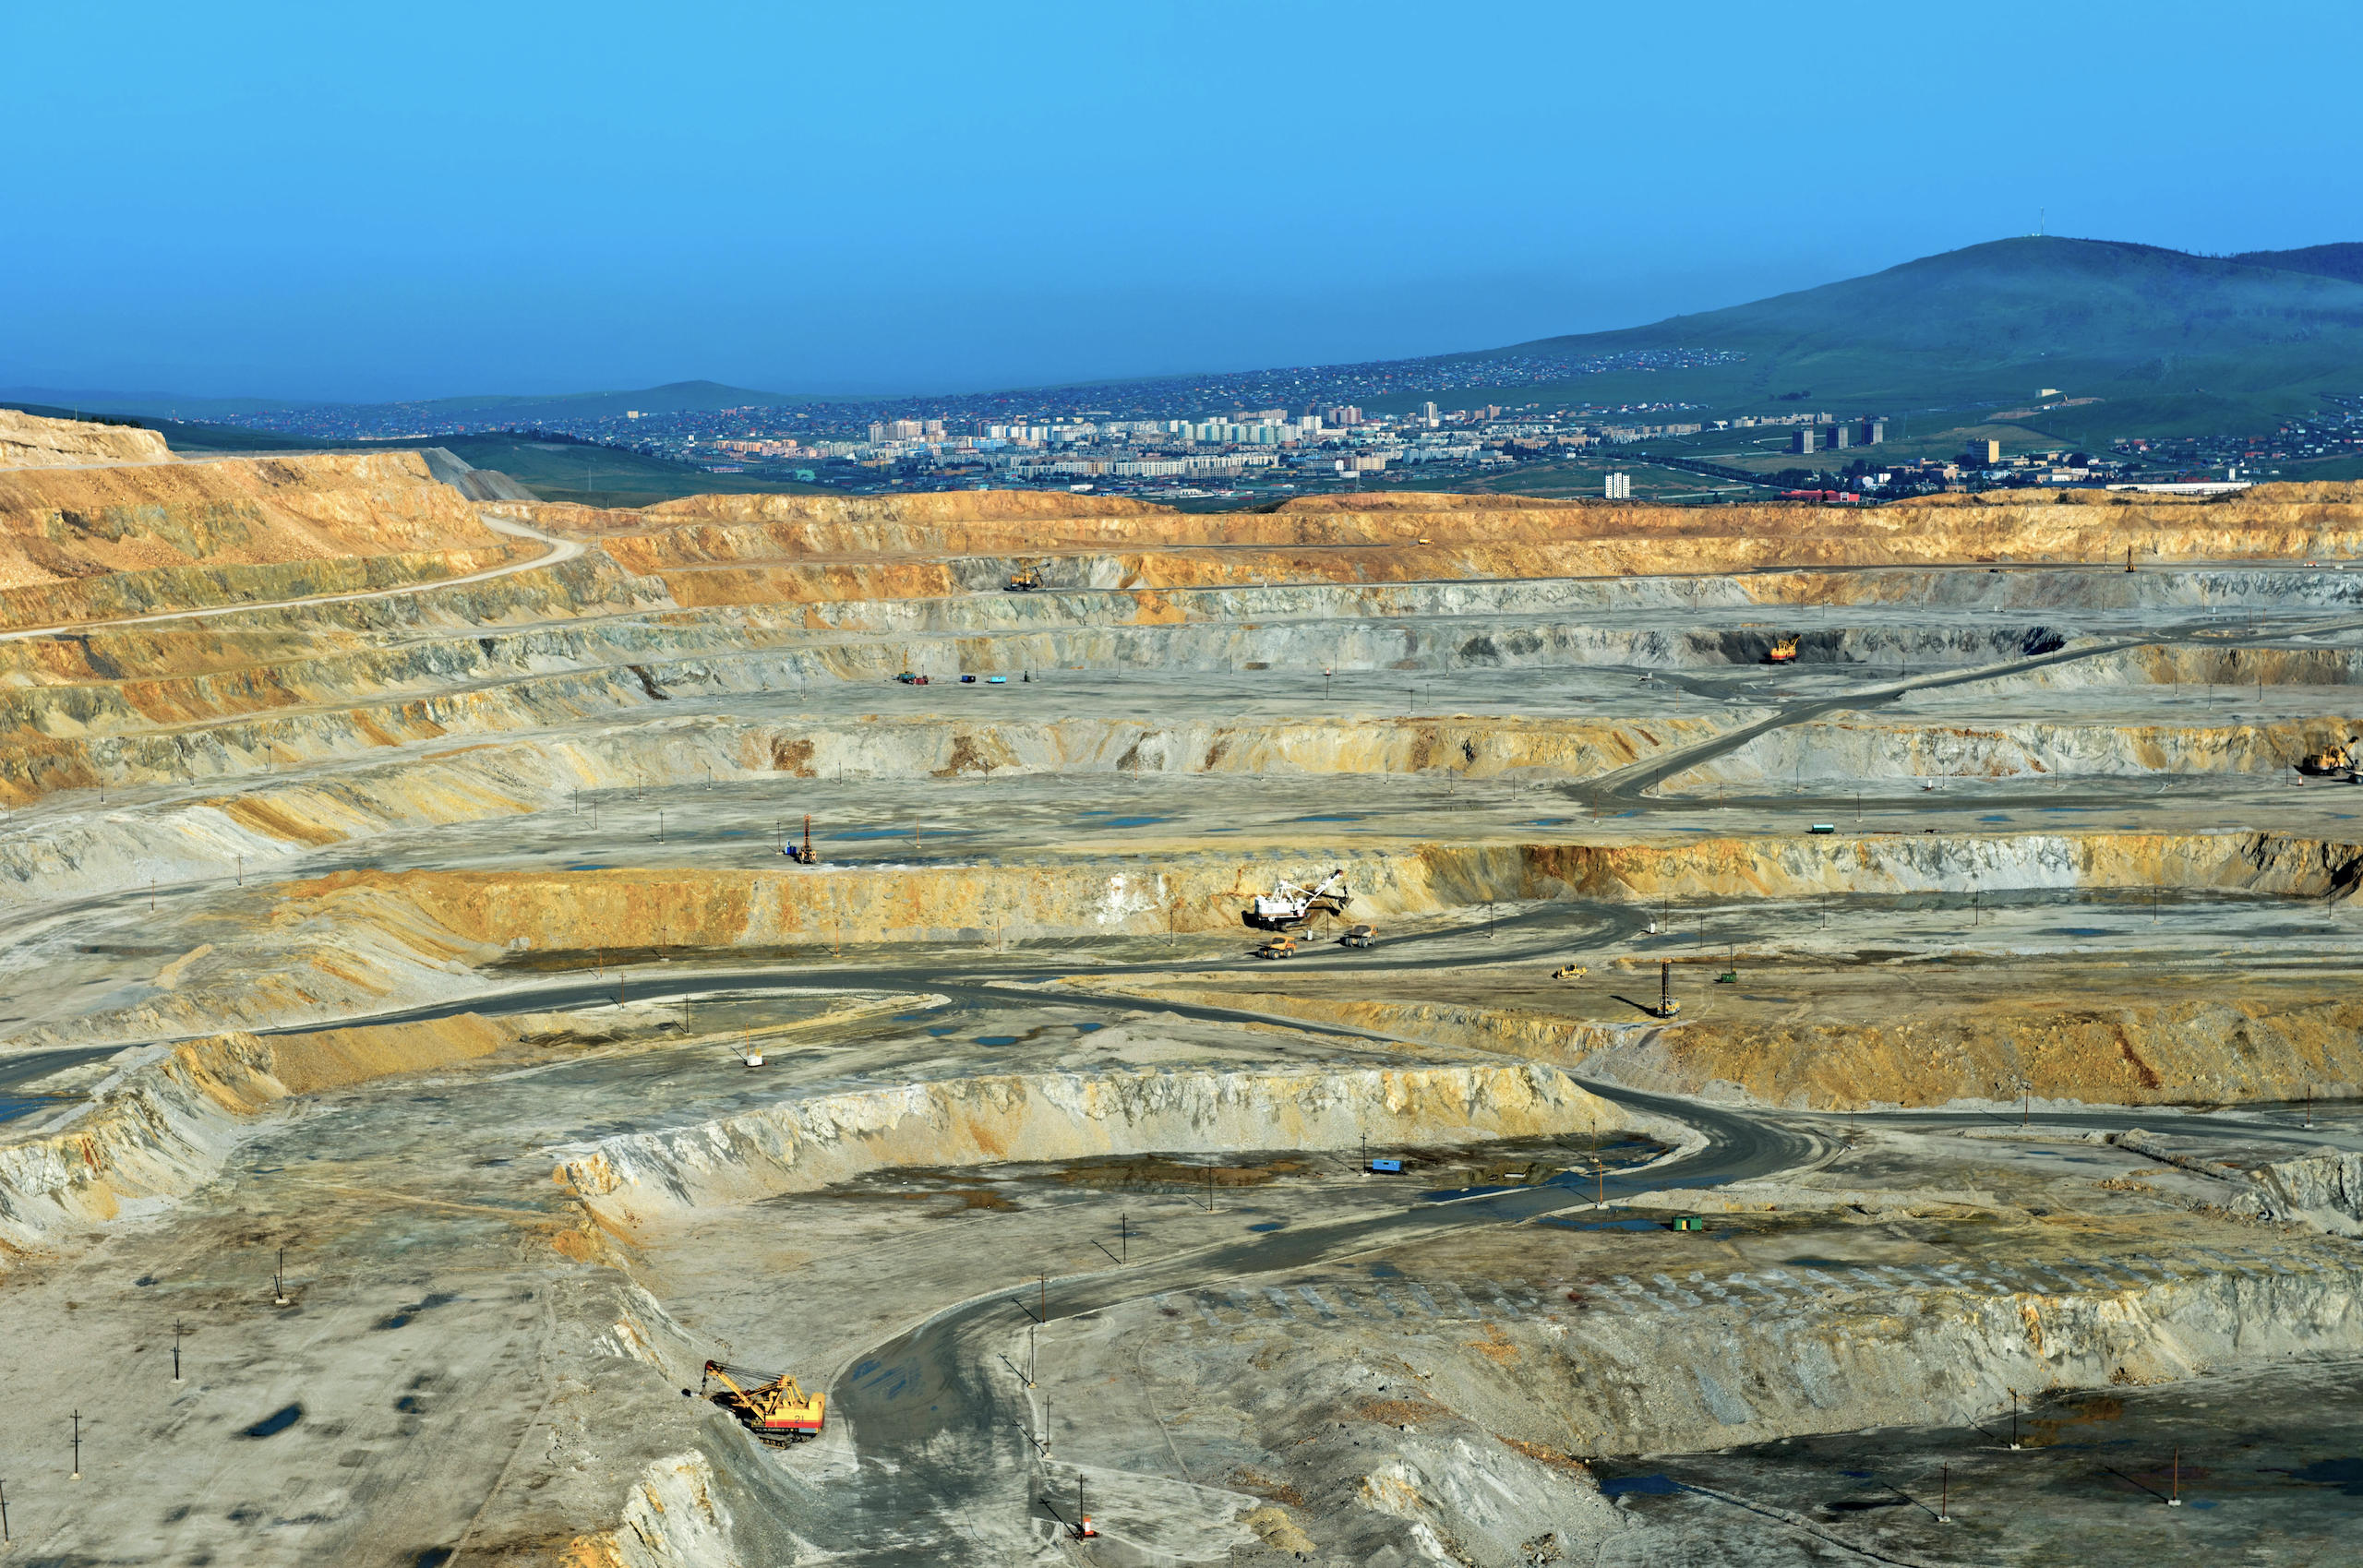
[364,201]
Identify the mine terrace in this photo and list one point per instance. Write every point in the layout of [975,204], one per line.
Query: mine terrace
[1772,1034]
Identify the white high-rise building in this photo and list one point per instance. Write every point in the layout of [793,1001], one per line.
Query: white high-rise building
[1619,487]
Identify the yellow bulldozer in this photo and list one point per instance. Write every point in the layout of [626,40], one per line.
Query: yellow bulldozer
[771,1405]
[1783,652]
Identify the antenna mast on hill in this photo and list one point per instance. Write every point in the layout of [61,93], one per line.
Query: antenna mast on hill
[2040,214]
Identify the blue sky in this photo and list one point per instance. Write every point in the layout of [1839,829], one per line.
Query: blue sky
[376,201]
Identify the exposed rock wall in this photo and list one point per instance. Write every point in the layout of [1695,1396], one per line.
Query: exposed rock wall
[83,543]
[674,1517]
[163,1123]
[27,440]
[2095,1050]
[1870,749]
[799,1145]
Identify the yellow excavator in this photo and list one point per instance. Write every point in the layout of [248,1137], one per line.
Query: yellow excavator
[1025,579]
[773,1407]
[2329,761]
[1783,652]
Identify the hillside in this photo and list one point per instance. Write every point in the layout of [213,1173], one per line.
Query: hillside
[2324,260]
[2167,341]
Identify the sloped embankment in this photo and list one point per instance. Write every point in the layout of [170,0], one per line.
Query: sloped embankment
[365,942]
[799,1145]
[1870,749]
[1593,539]
[163,1124]
[2086,1047]
[86,544]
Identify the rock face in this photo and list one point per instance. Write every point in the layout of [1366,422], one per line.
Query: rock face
[800,1145]
[85,544]
[162,1125]
[27,440]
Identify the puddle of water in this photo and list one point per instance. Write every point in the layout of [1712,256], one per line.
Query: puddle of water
[1599,1224]
[1130,821]
[1995,817]
[2080,930]
[1335,817]
[588,866]
[939,1033]
[1269,1224]
[1549,821]
[991,1039]
[1641,1486]
[2346,1475]
[915,1017]
[1091,1028]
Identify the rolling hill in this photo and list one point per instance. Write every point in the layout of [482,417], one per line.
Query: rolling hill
[2167,342]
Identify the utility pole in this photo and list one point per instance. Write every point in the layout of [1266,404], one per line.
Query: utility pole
[278,1281]
[1944,1498]
[78,1447]
[2176,1500]
[176,1350]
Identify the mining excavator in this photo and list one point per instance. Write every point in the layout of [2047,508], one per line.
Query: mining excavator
[1783,652]
[2330,761]
[1288,907]
[1025,579]
[771,1406]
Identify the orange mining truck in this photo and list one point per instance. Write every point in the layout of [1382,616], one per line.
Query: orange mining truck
[771,1406]
[1785,652]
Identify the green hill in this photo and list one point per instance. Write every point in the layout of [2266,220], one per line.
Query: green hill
[2324,260]
[2167,342]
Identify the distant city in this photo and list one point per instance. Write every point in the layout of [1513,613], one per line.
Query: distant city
[1292,430]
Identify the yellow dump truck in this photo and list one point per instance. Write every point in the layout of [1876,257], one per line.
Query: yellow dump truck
[1783,652]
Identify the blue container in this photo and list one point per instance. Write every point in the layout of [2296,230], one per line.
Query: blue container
[1386,1168]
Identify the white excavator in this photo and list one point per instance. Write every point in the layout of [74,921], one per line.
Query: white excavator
[1288,907]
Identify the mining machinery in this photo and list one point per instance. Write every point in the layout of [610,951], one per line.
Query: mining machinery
[769,1404]
[1667,1006]
[2328,762]
[1288,907]
[802,854]
[1025,579]
[1783,652]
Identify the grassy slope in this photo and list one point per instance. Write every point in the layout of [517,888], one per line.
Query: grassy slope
[2171,342]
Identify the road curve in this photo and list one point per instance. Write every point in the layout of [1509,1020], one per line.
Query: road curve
[934,1412]
[560,550]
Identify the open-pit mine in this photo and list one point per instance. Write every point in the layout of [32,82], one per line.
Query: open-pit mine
[1008,1027]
